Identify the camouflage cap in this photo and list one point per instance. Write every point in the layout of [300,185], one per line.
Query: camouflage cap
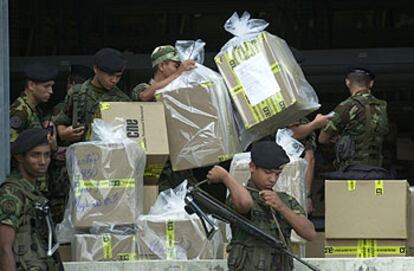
[268,155]
[164,53]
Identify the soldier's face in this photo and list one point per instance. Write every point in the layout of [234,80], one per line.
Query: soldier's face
[107,80]
[42,91]
[264,179]
[169,67]
[36,161]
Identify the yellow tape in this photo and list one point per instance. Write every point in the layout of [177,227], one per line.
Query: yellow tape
[104,184]
[218,60]
[127,256]
[170,239]
[107,246]
[225,157]
[236,90]
[366,249]
[340,250]
[153,170]
[379,187]
[105,106]
[142,145]
[351,185]
[207,84]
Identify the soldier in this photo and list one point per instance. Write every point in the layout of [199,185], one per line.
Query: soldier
[25,112]
[167,67]
[23,209]
[82,101]
[359,124]
[275,213]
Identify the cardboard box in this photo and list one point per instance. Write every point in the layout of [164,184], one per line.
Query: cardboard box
[364,248]
[104,247]
[201,130]
[315,248]
[145,123]
[265,82]
[410,239]
[107,183]
[150,196]
[65,252]
[366,209]
[174,240]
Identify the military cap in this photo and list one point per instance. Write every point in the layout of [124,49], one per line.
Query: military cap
[268,155]
[40,72]
[164,53]
[28,140]
[110,60]
[361,69]
[81,71]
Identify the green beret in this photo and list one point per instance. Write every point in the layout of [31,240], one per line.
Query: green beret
[40,72]
[110,60]
[268,155]
[28,140]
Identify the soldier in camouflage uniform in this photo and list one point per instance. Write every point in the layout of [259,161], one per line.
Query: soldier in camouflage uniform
[23,228]
[359,124]
[167,67]
[82,101]
[273,212]
[57,174]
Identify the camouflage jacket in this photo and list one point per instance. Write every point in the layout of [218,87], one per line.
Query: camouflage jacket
[308,142]
[87,98]
[138,89]
[363,118]
[246,252]
[24,115]
[17,199]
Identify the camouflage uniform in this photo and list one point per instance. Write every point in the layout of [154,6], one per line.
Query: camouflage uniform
[88,98]
[24,115]
[17,197]
[364,118]
[246,252]
[138,89]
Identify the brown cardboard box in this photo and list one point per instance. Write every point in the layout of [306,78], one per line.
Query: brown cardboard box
[104,247]
[65,252]
[178,239]
[315,248]
[353,248]
[145,123]
[265,82]
[201,130]
[107,183]
[150,196]
[410,239]
[366,209]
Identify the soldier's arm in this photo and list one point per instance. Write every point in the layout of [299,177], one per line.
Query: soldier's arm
[296,219]
[7,237]
[302,130]
[241,200]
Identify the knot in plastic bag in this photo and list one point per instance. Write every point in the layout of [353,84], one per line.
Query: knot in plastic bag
[114,131]
[244,26]
[191,49]
[292,147]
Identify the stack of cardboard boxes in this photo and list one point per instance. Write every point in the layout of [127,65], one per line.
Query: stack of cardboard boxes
[366,218]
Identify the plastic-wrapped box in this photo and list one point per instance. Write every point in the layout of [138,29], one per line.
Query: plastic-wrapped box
[107,182]
[199,115]
[104,247]
[169,233]
[265,82]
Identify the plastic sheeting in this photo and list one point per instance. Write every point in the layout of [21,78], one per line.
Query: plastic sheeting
[265,82]
[201,129]
[168,232]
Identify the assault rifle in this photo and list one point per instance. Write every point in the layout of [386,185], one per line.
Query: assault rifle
[199,202]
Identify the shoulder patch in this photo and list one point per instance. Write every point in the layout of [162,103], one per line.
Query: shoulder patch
[16,122]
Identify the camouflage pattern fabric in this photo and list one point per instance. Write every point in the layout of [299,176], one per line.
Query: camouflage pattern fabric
[138,89]
[364,118]
[24,115]
[308,142]
[88,98]
[17,211]
[246,252]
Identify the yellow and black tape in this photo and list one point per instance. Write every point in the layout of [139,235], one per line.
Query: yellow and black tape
[104,184]
[366,248]
[107,246]
[170,240]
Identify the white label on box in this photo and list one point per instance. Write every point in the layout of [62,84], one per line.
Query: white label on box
[257,79]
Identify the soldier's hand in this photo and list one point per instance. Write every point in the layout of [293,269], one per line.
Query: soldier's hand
[271,198]
[321,120]
[74,134]
[187,65]
[217,174]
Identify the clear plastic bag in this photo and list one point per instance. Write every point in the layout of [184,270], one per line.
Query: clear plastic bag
[268,87]
[201,129]
[106,180]
[168,232]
